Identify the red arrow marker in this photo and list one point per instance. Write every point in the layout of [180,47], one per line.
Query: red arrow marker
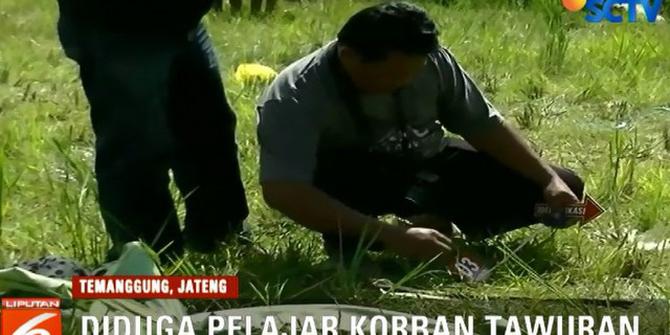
[592,209]
[584,212]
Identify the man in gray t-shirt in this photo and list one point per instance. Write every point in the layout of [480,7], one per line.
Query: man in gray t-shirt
[356,129]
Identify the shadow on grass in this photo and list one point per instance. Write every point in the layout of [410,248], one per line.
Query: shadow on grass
[540,253]
[294,275]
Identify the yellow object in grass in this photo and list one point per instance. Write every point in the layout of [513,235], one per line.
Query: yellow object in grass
[254,73]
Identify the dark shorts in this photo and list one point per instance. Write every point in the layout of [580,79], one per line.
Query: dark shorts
[479,195]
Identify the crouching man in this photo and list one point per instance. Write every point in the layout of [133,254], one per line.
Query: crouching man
[354,130]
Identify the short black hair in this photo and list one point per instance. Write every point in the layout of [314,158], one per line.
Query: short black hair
[392,26]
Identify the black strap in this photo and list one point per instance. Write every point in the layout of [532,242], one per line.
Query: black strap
[401,122]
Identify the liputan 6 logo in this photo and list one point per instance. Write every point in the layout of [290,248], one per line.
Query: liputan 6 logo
[30,316]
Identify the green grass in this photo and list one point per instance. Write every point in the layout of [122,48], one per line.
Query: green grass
[593,97]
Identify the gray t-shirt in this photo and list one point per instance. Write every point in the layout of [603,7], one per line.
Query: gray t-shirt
[303,111]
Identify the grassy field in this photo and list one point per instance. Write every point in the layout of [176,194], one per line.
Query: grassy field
[594,97]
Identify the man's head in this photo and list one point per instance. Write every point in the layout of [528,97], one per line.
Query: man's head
[383,47]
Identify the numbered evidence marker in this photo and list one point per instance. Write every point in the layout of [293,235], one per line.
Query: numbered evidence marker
[30,316]
[472,267]
[583,213]
[469,264]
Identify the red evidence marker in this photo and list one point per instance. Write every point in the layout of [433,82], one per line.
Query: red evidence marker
[592,209]
[585,212]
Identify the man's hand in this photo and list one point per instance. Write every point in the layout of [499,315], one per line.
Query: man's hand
[558,195]
[418,243]
[426,244]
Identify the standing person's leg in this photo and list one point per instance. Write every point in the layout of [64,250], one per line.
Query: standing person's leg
[270,6]
[236,6]
[206,166]
[126,86]
[483,197]
[256,6]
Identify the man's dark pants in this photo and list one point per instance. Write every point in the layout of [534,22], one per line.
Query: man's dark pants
[479,195]
[158,104]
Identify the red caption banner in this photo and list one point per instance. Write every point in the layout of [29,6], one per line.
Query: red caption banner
[155,287]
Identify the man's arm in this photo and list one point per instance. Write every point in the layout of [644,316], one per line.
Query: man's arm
[315,210]
[288,136]
[467,112]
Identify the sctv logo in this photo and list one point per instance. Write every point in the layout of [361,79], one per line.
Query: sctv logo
[616,11]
